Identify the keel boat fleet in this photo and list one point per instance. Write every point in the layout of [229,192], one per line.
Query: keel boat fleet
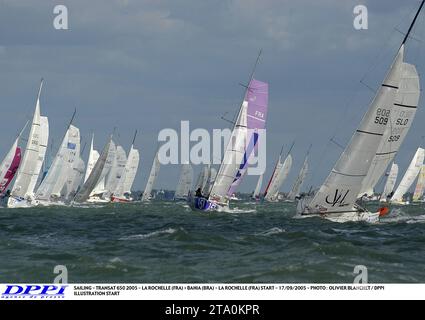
[108,176]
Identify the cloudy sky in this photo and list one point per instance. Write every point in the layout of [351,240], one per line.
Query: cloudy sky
[147,64]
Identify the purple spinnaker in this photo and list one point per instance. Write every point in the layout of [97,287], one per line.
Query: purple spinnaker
[257,96]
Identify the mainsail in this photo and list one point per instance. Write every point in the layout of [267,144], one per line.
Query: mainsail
[279,175]
[296,188]
[75,179]
[340,190]
[44,139]
[185,182]
[85,191]
[117,170]
[410,175]
[27,169]
[257,190]
[100,187]
[401,117]
[126,182]
[391,180]
[93,157]
[147,194]
[62,166]
[419,190]
[243,141]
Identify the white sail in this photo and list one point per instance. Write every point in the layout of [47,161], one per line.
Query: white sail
[185,182]
[233,157]
[419,190]
[44,129]
[147,194]
[213,176]
[117,170]
[280,174]
[75,179]
[391,180]
[296,188]
[27,169]
[205,188]
[125,183]
[339,192]
[93,157]
[257,190]
[97,172]
[62,166]
[100,187]
[401,117]
[410,175]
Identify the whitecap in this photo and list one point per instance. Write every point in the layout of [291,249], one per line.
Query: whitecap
[150,234]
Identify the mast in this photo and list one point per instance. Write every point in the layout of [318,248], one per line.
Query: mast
[413,23]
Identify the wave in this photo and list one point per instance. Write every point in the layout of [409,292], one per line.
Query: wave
[271,232]
[149,235]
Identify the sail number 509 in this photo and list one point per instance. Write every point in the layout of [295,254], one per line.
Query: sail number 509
[382,116]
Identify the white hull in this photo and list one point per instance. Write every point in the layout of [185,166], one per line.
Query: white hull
[97,200]
[14,202]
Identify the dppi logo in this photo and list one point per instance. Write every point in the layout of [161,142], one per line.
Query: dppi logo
[34,291]
[338,199]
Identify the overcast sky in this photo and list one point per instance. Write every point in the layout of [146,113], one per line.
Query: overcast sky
[147,64]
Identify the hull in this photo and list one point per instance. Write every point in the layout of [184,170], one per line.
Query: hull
[17,202]
[120,200]
[96,199]
[353,215]
[203,204]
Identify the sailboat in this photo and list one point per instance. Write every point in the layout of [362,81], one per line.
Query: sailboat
[419,190]
[97,174]
[409,177]
[51,189]
[243,142]
[147,194]
[8,168]
[280,173]
[98,193]
[122,192]
[93,157]
[296,188]
[256,194]
[390,184]
[336,198]
[22,195]
[116,173]
[185,183]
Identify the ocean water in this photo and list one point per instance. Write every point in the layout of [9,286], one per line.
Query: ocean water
[167,242]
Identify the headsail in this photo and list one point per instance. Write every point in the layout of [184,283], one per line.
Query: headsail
[93,157]
[9,166]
